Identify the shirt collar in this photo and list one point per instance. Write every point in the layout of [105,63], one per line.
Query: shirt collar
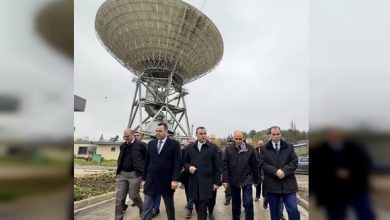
[163,140]
[273,144]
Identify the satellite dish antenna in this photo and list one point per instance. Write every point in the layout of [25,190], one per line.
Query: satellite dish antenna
[165,44]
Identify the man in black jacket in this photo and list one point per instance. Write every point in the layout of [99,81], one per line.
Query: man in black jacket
[130,168]
[161,173]
[240,171]
[279,161]
[202,163]
[345,167]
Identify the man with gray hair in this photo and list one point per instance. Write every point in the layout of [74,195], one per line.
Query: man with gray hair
[130,167]
[240,171]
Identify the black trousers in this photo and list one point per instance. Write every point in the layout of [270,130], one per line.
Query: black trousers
[201,209]
[260,190]
[211,204]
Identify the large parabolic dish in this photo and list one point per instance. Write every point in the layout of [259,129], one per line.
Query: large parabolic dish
[166,44]
[156,38]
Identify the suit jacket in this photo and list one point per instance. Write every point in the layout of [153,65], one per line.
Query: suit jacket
[287,160]
[208,170]
[258,152]
[138,152]
[161,169]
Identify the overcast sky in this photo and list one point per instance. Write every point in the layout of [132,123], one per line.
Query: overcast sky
[262,79]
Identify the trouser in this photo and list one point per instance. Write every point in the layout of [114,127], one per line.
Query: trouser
[260,190]
[211,204]
[156,202]
[201,209]
[247,199]
[127,183]
[227,193]
[361,206]
[290,202]
[147,212]
[190,201]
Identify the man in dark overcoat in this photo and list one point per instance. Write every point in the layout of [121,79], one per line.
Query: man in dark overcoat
[202,163]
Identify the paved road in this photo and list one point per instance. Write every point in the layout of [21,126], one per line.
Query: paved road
[221,212]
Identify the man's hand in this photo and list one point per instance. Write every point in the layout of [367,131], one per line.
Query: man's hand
[225,185]
[192,169]
[142,184]
[174,184]
[280,174]
[215,187]
[343,173]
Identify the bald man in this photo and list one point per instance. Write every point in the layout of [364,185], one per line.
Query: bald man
[130,167]
[240,171]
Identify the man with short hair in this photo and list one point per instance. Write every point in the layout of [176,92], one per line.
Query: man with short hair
[279,161]
[139,136]
[202,163]
[240,171]
[211,204]
[161,173]
[129,171]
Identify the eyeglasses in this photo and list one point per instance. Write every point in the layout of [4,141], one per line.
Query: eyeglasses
[238,139]
[126,136]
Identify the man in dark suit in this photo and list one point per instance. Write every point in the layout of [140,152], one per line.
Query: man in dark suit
[279,161]
[202,163]
[259,189]
[129,171]
[161,173]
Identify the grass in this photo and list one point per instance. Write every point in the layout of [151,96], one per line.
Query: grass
[106,163]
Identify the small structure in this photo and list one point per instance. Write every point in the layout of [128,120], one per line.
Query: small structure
[108,150]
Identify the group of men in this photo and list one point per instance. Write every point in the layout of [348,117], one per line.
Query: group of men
[161,165]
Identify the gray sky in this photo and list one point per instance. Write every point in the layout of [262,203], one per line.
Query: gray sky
[261,81]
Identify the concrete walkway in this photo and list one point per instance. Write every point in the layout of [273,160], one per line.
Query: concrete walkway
[105,210]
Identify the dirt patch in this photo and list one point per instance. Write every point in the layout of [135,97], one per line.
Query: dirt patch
[94,185]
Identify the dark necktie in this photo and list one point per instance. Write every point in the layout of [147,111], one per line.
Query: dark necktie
[159,146]
[277,148]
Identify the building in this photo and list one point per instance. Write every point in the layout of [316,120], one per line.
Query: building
[108,150]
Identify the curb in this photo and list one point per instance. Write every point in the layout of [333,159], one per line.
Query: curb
[93,200]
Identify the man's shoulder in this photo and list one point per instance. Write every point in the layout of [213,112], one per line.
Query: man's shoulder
[250,147]
[285,143]
[212,145]
[172,142]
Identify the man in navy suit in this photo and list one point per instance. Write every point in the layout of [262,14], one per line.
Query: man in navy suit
[161,173]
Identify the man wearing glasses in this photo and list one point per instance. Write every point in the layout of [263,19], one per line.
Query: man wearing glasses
[130,168]
[202,163]
[279,161]
[240,171]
